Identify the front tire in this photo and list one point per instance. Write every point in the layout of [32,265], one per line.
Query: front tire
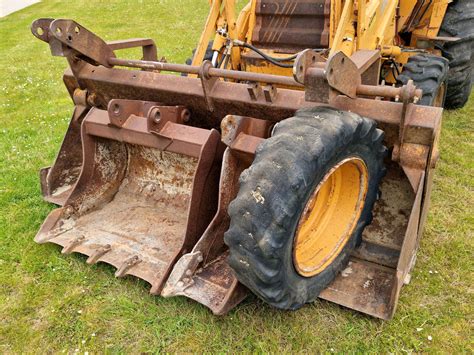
[429,73]
[268,215]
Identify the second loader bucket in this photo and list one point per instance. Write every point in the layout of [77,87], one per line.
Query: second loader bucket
[134,205]
[204,274]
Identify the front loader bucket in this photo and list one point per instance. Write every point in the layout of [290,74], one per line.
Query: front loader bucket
[136,206]
[378,268]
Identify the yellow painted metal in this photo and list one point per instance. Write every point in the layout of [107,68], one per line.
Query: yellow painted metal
[243,22]
[242,28]
[229,16]
[344,37]
[376,23]
[256,64]
[391,51]
[354,25]
[430,23]
[330,216]
[335,16]
[405,12]
[252,21]
[209,31]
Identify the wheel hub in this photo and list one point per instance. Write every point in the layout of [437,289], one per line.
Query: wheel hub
[330,216]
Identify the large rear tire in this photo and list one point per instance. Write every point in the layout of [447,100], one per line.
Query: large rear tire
[311,186]
[459,22]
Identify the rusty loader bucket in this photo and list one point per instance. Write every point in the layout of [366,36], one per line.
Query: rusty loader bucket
[151,162]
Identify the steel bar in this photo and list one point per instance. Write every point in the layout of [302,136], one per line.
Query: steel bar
[383,91]
[365,90]
[145,64]
[213,72]
[248,76]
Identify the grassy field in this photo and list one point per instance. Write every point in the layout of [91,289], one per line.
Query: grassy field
[51,303]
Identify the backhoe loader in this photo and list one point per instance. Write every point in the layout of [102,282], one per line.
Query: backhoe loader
[291,157]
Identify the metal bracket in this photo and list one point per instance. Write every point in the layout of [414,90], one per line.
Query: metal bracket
[120,110]
[254,90]
[207,83]
[324,79]
[158,116]
[147,44]
[270,92]
[408,96]
[244,134]
[67,37]
[40,29]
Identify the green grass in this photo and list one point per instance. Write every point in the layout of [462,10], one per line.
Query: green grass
[53,303]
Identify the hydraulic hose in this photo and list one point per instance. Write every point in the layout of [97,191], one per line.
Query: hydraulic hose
[273,60]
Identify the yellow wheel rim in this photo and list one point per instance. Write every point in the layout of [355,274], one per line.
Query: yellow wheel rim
[330,216]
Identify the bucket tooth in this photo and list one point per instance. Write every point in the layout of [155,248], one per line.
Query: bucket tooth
[127,265]
[73,243]
[98,253]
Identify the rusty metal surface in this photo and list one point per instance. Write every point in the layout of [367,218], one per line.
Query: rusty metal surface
[363,286]
[409,248]
[203,274]
[391,211]
[119,111]
[291,26]
[235,98]
[111,213]
[339,74]
[76,52]
[213,285]
[75,36]
[155,184]
[40,29]
[147,194]
[173,137]
[58,180]
[148,46]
